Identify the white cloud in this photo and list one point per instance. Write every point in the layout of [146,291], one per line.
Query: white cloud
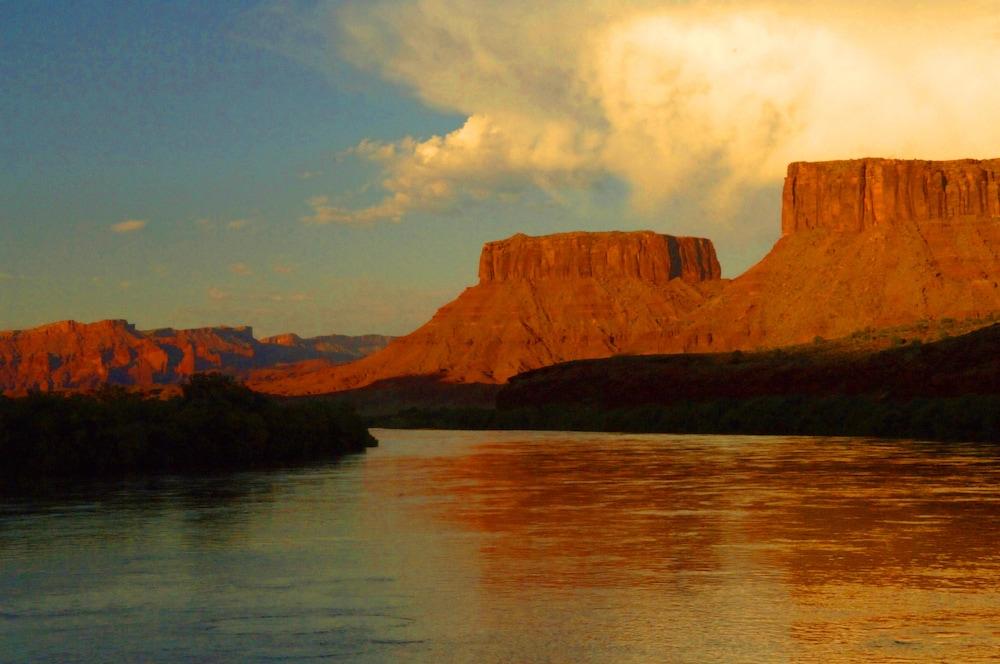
[657,92]
[128,226]
[217,294]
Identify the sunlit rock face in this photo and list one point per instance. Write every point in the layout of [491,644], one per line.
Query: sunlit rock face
[865,243]
[646,256]
[539,301]
[868,194]
[69,355]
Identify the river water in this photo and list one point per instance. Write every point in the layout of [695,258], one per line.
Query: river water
[523,547]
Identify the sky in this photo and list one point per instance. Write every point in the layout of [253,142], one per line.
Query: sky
[334,167]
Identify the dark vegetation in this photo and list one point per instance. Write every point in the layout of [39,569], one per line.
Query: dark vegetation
[216,424]
[941,390]
[951,367]
[966,418]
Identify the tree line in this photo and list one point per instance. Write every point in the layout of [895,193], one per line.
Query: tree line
[215,424]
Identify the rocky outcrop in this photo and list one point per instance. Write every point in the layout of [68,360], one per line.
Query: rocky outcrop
[71,356]
[646,256]
[865,243]
[540,300]
[865,194]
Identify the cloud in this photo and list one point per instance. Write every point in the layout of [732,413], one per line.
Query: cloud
[238,224]
[288,297]
[128,226]
[241,269]
[217,294]
[280,268]
[659,93]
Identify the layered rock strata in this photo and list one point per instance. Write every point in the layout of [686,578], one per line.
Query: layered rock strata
[865,243]
[539,301]
[866,194]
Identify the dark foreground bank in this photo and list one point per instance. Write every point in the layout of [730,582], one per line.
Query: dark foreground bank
[967,418]
[216,424]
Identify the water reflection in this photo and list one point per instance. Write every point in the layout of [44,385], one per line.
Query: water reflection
[456,546]
[847,547]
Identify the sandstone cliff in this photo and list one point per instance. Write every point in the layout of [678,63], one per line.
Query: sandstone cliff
[865,243]
[867,194]
[69,355]
[540,300]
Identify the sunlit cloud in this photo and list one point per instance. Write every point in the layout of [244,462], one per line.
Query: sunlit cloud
[657,93]
[217,294]
[288,297]
[237,224]
[282,269]
[128,226]
[241,269]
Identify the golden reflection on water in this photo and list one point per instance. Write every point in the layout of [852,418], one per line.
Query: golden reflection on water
[816,550]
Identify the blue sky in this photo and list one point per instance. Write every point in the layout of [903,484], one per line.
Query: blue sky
[327,167]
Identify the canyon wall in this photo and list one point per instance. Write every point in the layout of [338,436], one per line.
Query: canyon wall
[643,255]
[863,194]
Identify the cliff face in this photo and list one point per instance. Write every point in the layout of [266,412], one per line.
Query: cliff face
[69,355]
[646,256]
[540,300]
[864,194]
[865,243]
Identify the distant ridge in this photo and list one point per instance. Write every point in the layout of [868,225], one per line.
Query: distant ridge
[69,355]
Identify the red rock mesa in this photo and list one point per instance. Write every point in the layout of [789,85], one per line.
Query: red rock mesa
[540,300]
[865,243]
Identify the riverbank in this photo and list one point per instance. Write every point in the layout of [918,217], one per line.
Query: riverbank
[215,424]
[972,418]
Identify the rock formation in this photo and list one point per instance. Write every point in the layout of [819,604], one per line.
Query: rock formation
[865,243]
[69,355]
[869,194]
[540,300]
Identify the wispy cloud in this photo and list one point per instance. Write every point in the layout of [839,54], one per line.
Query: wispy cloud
[217,294]
[128,226]
[237,224]
[241,269]
[280,268]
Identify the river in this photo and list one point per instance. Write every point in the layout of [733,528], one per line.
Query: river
[523,547]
